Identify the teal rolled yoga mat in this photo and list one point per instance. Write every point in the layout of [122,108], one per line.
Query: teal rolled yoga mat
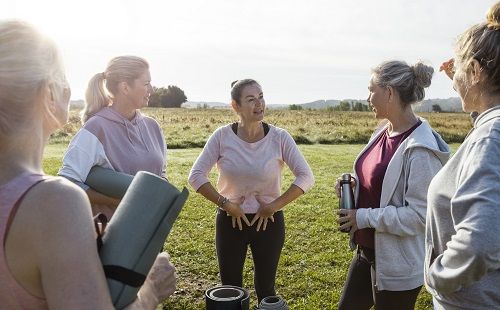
[137,232]
[109,182]
[273,303]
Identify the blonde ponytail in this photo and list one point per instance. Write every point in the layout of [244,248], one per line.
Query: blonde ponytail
[96,97]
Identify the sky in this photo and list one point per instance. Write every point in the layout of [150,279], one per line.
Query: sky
[299,50]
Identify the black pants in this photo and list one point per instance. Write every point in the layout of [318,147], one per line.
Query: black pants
[232,244]
[358,292]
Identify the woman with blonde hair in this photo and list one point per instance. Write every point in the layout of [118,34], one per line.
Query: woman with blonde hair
[462,269]
[115,134]
[391,176]
[48,256]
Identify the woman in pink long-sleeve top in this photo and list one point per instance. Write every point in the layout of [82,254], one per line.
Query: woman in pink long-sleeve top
[250,156]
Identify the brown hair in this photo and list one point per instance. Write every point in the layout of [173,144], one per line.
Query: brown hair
[238,86]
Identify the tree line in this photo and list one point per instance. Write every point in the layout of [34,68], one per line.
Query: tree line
[342,106]
[170,97]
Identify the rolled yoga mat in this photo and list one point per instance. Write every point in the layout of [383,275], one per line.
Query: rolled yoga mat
[273,303]
[227,297]
[137,232]
[109,182]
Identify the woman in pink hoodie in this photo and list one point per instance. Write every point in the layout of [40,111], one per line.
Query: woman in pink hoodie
[115,134]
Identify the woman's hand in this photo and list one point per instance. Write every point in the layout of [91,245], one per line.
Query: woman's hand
[347,220]
[337,185]
[233,209]
[160,283]
[448,67]
[265,213]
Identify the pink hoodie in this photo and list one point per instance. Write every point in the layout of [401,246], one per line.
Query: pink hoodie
[112,141]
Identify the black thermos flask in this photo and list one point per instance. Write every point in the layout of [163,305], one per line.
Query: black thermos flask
[346,200]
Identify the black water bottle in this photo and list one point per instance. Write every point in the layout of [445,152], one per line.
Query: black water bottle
[346,200]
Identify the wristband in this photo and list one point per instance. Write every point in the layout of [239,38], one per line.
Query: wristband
[221,201]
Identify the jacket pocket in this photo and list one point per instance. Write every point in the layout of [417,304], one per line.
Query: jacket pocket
[391,258]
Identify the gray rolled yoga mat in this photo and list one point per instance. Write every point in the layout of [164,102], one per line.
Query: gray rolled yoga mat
[273,303]
[227,297]
[137,232]
[109,182]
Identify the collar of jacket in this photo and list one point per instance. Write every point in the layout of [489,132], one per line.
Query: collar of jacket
[423,136]
[487,116]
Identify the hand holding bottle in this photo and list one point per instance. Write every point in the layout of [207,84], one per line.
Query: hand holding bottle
[346,203]
[337,185]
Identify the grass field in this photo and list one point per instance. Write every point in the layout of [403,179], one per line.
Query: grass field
[188,128]
[315,257]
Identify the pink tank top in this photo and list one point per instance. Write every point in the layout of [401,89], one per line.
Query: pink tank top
[12,294]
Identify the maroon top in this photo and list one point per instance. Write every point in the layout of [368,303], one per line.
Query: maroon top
[370,169]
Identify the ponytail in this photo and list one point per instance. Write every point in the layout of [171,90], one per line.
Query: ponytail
[96,97]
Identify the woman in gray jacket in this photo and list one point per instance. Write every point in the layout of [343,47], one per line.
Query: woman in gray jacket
[391,176]
[462,269]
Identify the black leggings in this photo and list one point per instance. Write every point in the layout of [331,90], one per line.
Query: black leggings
[232,244]
[357,293]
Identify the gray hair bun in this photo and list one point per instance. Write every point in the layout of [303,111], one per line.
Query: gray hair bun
[423,74]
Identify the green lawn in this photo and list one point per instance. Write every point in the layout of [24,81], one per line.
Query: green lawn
[315,257]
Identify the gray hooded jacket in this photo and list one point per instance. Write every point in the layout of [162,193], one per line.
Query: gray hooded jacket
[399,222]
[462,263]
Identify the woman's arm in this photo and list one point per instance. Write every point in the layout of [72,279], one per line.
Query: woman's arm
[198,178]
[208,157]
[84,152]
[100,199]
[304,180]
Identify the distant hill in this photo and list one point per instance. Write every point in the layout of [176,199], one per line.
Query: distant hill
[205,104]
[447,105]
[320,104]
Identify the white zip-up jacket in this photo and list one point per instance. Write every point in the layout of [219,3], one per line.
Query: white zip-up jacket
[399,222]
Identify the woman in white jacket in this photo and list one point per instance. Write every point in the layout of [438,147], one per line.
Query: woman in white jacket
[391,177]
